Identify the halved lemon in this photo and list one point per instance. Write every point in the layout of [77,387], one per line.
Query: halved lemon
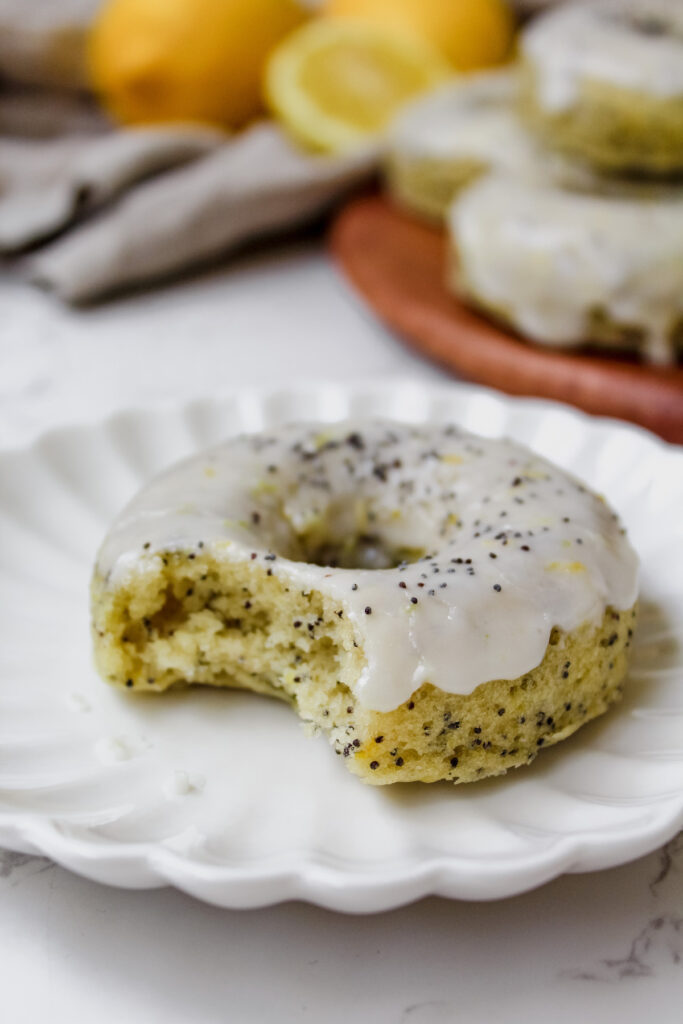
[337,83]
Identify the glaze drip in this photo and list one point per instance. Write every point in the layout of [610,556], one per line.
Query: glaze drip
[550,260]
[454,556]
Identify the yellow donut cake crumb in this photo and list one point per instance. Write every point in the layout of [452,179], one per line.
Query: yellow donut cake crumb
[200,621]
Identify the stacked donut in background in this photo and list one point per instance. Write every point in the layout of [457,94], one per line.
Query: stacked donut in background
[560,178]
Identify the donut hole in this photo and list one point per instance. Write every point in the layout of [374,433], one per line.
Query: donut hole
[349,534]
[357,551]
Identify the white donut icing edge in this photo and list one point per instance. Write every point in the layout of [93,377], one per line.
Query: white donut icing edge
[471,117]
[549,257]
[576,43]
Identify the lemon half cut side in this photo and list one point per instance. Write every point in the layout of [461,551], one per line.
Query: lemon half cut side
[335,84]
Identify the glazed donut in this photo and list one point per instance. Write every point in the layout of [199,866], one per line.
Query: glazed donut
[445,140]
[439,604]
[567,268]
[604,82]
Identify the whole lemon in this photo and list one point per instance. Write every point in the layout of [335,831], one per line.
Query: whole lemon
[469,33]
[156,61]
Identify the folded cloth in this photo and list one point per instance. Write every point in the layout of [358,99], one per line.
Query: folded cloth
[46,185]
[42,42]
[255,184]
[34,113]
[124,222]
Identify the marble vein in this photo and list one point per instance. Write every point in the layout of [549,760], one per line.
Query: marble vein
[660,939]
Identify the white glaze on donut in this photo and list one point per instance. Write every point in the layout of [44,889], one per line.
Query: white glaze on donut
[512,545]
[471,118]
[548,258]
[632,44]
[474,120]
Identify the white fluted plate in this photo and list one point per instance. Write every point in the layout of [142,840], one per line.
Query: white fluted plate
[221,793]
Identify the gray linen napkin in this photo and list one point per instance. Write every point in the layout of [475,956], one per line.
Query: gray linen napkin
[251,186]
[46,185]
[47,113]
[131,205]
[42,41]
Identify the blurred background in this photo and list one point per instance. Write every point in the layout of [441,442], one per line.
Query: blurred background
[537,145]
[101,98]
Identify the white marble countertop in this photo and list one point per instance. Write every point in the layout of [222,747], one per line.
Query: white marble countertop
[604,947]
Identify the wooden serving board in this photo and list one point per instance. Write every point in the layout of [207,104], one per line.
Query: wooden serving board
[398,266]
